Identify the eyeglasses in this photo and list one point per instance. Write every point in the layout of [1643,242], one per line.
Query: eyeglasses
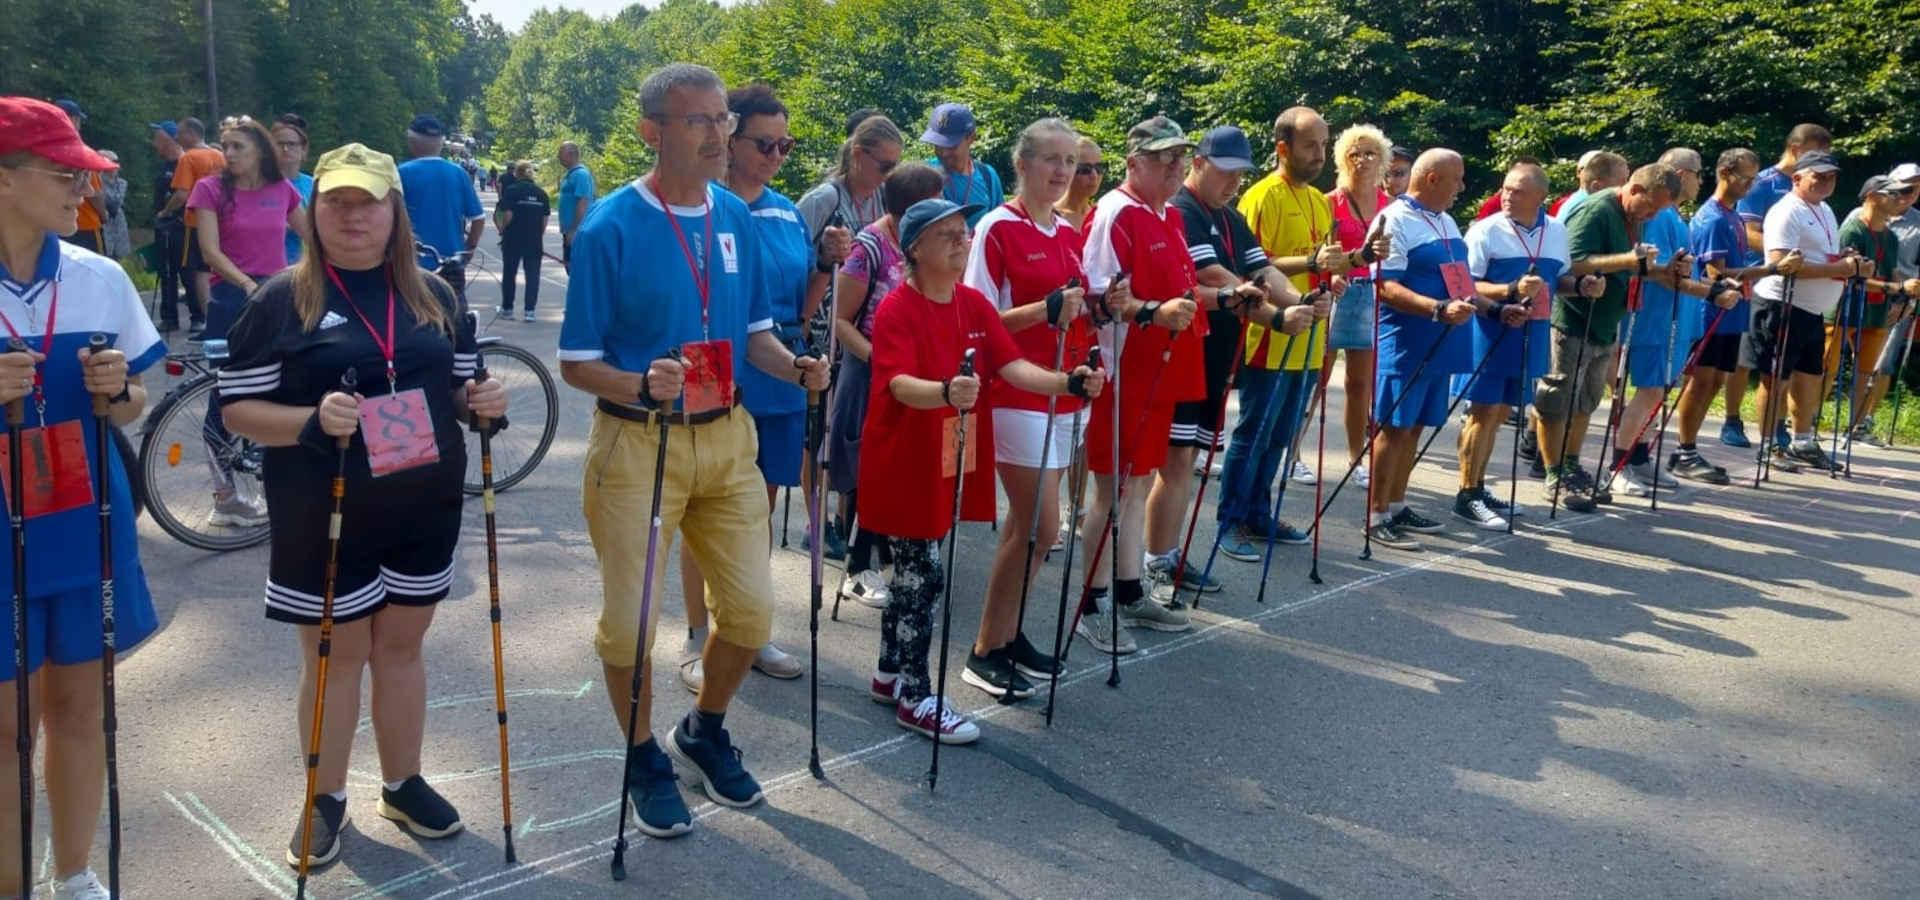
[77,182]
[1090,169]
[291,145]
[769,146]
[1907,190]
[702,122]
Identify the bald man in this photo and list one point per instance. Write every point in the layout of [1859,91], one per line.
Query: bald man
[576,194]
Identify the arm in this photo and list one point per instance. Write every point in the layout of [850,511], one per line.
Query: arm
[1611,262]
[579,215]
[919,393]
[207,226]
[1041,380]
[1403,299]
[601,379]
[768,355]
[475,229]
[175,203]
[848,292]
[297,223]
[1847,267]
[271,424]
[502,217]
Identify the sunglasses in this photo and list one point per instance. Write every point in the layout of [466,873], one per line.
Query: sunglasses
[77,182]
[886,165]
[769,146]
[1090,169]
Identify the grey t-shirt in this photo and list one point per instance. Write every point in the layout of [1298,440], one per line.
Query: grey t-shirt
[818,205]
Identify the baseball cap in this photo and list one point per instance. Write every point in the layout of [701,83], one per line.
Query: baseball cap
[43,129]
[1905,172]
[925,213]
[427,126]
[1880,184]
[71,107]
[949,125]
[1157,133]
[1817,162]
[167,125]
[356,166]
[1226,147]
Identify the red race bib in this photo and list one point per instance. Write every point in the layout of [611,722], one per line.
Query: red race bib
[398,431]
[1542,305]
[54,465]
[949,445]
[709,384]
[1459,282]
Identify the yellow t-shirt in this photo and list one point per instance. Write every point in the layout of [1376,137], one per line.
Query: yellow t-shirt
[1290,220]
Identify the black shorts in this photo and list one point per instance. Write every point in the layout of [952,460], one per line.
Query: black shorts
[1722,351]
[1196,423]
[402,556]
[190,258]
[1806,341]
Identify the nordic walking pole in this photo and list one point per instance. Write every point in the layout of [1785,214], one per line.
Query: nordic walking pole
[1617,410]
[784,516]
[1520,426]
[1286,461]
[1066,571]
[1373,429]
[1046,457]
[484,427]
[819,407]
[1319,471]
[1438,342]
[1206,471]
[1113,513]
[646,607]
[1457,398]
[1776,402]
[1856,291]
[349,380]
[109,725]
[946,600]
[23,722]
[1269,414]
[1840,359]
[1900,378]
[1573,396]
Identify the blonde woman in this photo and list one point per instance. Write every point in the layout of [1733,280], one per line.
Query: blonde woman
[1360,155]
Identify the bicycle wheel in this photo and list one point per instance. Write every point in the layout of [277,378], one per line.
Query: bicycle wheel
[533,415]
[130,464]
[177,464]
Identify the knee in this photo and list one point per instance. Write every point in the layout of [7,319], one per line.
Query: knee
[394,652]
[72,711]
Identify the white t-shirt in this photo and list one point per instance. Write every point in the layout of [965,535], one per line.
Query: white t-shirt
[1794,224]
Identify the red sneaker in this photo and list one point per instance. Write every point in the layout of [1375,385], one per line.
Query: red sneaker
[922,718]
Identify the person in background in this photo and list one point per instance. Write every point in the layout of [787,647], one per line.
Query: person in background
[1399,170]
[952,130]
[1600,171]
[521,216]
[91,231]
[577,191]
[1089,175]
[170,234]
[196,162]
[290,150]
[441,202]
[114,188]
[861,115]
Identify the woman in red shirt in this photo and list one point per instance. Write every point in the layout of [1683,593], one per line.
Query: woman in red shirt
[921,332]
[1360,155]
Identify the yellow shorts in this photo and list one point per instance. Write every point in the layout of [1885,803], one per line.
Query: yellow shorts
[712,494]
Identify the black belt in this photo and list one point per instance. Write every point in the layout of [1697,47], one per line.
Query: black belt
[654,417]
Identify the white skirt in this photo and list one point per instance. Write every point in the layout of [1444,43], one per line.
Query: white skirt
[1018,434]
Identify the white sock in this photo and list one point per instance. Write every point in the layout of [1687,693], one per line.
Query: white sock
[1804,438]
[391,785]
[340,795]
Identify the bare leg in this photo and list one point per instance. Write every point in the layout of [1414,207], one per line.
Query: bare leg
[399,688]
[1024,486]
[76,760]
[1167,502]
[1359,384]
[1476,441]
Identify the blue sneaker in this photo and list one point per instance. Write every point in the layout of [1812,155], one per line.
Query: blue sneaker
[1780,436]
[1287,534]
[1241,544]
[1733,434]
[715,765]
[656,793]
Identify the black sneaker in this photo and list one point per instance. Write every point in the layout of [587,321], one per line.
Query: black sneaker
[715,765]
[1809,452]
[329,816]
[1499,506]
[1579,480]
[1529,446]
[658,809]
[994,673]
[1694,467]
[1387,535]
[1408,520]
[1537,468]
[1573,495]
[419,809]
[1780,459]
[1471,505]
[1028,659]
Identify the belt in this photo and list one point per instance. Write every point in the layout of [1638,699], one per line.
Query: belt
[656,417]
[1360,279]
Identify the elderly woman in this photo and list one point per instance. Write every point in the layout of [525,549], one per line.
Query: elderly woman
[358,302]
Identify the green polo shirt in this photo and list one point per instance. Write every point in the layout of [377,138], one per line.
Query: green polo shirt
[1597,227]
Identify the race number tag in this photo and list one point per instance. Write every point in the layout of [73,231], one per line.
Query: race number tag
[55,468]
[709,384]
[1459,283]
[398,431]
[1542,305]
[949,445]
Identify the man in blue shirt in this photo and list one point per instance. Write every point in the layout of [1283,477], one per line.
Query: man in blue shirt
[576,194]
[441,202]
[951,130]
[670,264]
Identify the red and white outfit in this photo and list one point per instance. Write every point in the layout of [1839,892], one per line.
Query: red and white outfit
[1127,237]
[1015,262]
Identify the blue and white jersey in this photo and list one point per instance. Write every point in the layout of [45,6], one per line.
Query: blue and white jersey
[86,294]
[1768,187]
[1423,241]
[441,202]
[1500,250]
[1717,236]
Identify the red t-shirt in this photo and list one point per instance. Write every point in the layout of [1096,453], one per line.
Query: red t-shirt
[1349,227]
[903,493]
[1488,207]
[1125,237]
[1013,263]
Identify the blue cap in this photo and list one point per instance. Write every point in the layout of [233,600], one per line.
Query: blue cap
[949,125]
[71,107]
[427,126]
[166,125]
[927,212]
[1226,147]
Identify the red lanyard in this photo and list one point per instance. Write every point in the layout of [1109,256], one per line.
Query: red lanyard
[1433,222]
[1533,253]
[46,349]
[386,346]
[702,274]
[1817,220]
[1739,232]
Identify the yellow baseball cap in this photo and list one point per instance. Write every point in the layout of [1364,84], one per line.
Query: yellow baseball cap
[356,166]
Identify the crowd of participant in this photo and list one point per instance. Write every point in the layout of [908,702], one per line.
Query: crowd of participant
[1062,344]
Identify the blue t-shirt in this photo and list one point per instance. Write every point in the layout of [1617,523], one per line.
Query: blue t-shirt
[1423,239]
[1572,203]
[981,187]
[632,295]
[94,295]
[782,240]
[304,184]
[1768,187]
[1718,236]
[1659,321]
[577,183]
[1500,251]
[440,201]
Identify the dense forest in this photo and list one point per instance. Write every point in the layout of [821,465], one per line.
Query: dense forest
[1491,78]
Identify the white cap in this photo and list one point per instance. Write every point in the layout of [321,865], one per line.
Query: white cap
[1587,157]
[1905,172]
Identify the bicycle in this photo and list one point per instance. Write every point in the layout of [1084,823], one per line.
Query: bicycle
[175,434]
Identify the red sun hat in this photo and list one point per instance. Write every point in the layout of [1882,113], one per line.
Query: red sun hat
[41,128]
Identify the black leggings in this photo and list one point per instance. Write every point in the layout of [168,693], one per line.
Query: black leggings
[906,626]
[527,259]
[860,555]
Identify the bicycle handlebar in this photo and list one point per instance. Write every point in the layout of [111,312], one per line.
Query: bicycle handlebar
[439,259]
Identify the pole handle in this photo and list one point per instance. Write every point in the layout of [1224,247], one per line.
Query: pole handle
[97,342]
[349,381]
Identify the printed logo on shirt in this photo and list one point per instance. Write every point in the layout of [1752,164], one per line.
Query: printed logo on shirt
[332,319]
[1036,257]
[1156,246]
[729,255]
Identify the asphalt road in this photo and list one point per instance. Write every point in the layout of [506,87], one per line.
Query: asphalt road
[1714,700]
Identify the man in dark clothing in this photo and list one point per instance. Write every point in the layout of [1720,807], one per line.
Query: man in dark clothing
[521,215]
[169,234]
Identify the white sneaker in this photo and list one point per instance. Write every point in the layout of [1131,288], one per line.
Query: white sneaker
[866,588]
[84,886]
[778,663]
[1635,480]
[237,511]
[921,719]
[1097,628]
[1301,473]
[693,675]
[1361,478]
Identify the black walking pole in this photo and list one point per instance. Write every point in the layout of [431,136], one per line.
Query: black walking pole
[1520,423]
[1206,470]
[109,725]
[1066,571]
[640,643]
[1900,378]
[946,600]
[1573,396]
[818,405]
[485,428]
[1617,410]
[349,380]
[1468,386]
[1250,463]
[23,722]
[1776,397]
[1046,457]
